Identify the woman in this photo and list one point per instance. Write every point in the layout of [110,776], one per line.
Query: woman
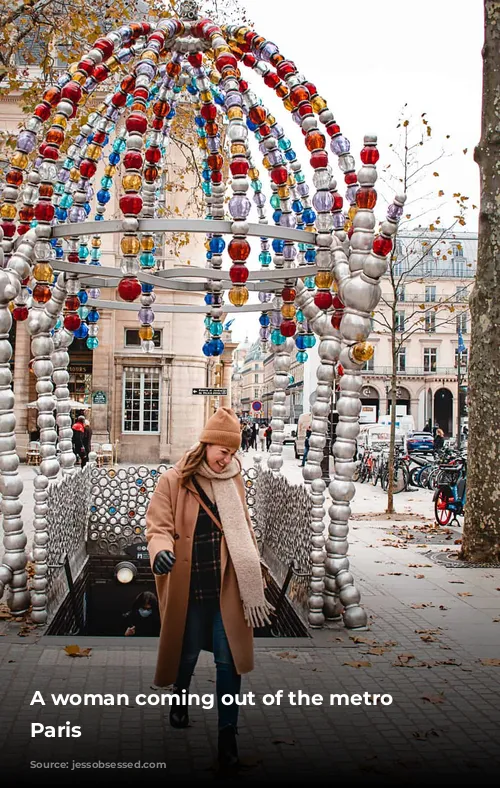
[438,440]
[208,577]
[143,617]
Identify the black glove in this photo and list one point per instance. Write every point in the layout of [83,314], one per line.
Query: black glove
[163,563]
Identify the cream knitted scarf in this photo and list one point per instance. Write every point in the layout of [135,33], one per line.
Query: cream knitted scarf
[244,555]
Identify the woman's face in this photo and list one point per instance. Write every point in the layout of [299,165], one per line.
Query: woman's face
[218,457]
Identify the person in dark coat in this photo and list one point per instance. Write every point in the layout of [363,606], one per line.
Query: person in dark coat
[143,618]
[253,439]
[306,447]
[269,436]
[79,440]
[438,440]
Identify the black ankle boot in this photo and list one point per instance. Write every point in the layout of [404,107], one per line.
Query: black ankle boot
[179,715]
[228,749]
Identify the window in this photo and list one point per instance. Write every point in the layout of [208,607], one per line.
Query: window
[401,360]
[430,322]
[400,321]
[256,378]
[462,323]
[463,359]
[397,268]
[458,250]
[369,365]
[430,359]
[461,294]
[460,267]
[141,400]
[256,393]
[430,293]
[400,294]
[132,338]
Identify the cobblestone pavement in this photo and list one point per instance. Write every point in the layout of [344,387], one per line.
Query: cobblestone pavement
[433,644]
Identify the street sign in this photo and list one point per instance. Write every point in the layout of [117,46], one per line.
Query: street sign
[138,551]
[99,398]
[209,392]
[257,405]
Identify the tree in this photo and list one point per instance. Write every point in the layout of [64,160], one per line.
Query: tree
[481,539]
[416,254]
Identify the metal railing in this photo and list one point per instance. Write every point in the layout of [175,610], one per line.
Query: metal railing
[411,371]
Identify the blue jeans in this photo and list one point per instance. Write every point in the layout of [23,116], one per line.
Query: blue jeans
[204,621]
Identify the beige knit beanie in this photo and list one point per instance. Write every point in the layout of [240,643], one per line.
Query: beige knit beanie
[222,429]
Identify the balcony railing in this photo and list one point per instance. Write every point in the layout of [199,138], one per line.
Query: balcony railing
[412,371]
[420,298]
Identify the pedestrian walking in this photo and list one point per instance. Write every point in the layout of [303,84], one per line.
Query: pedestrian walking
[143,618]
[244,438]
[253,440]
[208,576]
[87,440]
[428,426]
[438,440]
[248,436]
[269,436]
[78,440]
[306,446]
[262,437]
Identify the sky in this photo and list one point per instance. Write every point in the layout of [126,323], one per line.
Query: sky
[368,59]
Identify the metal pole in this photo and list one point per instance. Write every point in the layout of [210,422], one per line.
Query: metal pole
[459,414]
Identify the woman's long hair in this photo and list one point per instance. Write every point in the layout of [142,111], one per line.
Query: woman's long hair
[144,598]
[192,461]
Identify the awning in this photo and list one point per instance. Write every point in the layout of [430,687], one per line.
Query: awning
[75,405]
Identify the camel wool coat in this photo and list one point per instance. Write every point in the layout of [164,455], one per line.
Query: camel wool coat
[170,525]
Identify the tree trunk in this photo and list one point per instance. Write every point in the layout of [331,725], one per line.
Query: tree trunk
[392,412]
[481,541]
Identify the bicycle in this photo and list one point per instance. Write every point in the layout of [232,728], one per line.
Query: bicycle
[449,499]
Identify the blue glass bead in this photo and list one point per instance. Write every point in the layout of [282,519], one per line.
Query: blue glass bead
[176,89]
[201,133]
[209,255]
[114,157]
[95,254]
[275,201]
[58,323]
[278,245]
[277,337]
[59,252]
[300,341]
[297,206]
[103,196]
[300,177]
[61,214]
[207,350]
[209,299]
[251,125]
[82,331]
[205,174]
[217,347]
[98,217]
[130,100]
[310,340]
[207,321]
[119,146]
[301,357]
[83,253]
[310,255]
[309,216]
[219,99]
[309,282]
[216,328]
[83,296]
[256,185]
[66,201]
[258,136]
[299,316]
[68,164]
[106,181]
[93,316]
[92,343]
[90,138]
[277,216]
[290,155]
[147,259]
[200,122]
[147,288]
[87,208]
[59,188]
[191,89]
[207,189]
[264,320]
[171,114]
[284,143]
[217,245]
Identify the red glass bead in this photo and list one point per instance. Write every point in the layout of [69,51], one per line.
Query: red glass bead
[72,91]
[50,152]
[129,288]
[215,161]
[161,108]
[105,46]
[131,204]
[238,273]
[250,60]
[27,213]
[323,299]
[137,123]
[315,141]
[52,96]
[298,94]
[152,155]
[87,66]
[14,178]
[20,313]
[9,229]
[239,167]
[336,320]
[136,29]
[250,36]
[88,168]
[282,90]
[150,174]
[157,124]
[173,69]
[366,198]
[73,257]
[99,137]
[55,136]
[159,36]
[350,178]
[23,228]
[305,109]
[72,322]
[208,111]
[199,28]
[350,232]
[119,99]
[211,128]
[288,328]
[42,294]
[46,190]
[279,175]
[382,246]
[257,114]
[72,303]
[227,59]
[216,176]
[238,249]
[285,68]
[243,86]
[338,202]
[101,72]
[319,159]
[333,129]
[288,294]
[276,59]
[311,88]
[44,212]
[42,111]
[337,303]
[264,130]
[271,80]
[369,155]
[340,370]
[132,160]
[196,60]
[127,84]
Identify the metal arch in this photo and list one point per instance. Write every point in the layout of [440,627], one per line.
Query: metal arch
[176,308]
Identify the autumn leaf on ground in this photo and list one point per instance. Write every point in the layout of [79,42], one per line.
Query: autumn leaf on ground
[376,650]
[403,659]
[465,593]
[359,664]
[428,631]
[420,605]
[419,577]
[442,607]
[454,662]
[361,639]
[496,620]
[434,698]
[76,651]
[493,662]
[286,655]
[460,582]
[419,566]
[425,735]
[427,638]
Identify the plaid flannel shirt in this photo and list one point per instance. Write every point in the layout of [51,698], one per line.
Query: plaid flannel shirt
[205,563]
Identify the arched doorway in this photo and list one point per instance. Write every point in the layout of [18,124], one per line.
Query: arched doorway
[370,405]
[402,401]
[443,410]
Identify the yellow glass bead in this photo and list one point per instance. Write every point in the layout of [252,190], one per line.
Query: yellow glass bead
[148,54]
[147,243]
[351,213]
[335,287]
[288,311]
[109,170]
[113,64]
[132,183]
[267,164]
[19,160]
[271,120]
[323,280]
[8,211]
[207,245]
[220,50]
[129,244]
[12,306]
[234,112]
[74,174]
[43,272]
[80,78]
[253,173]
[60,120]
[291,180]
[214,77]
[206,96]
[72,68]
[240,35]
[283,192]
[318,104]
[93,152]
[96,241]
[288,104]
[101,109]
[202,143]
[310,228]
[146,332]
[347,225]
[362,352]
[238,296]
[237,148]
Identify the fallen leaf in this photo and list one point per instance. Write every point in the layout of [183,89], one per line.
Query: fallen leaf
[460,582]
[425,734]
[377,650]
[433,698]
[403,659]
[496,620]
[427,638]
[418,566]
[442,607]
[419,577]
[420,605]
[493,662]
[465,593]
[361,639]
[76,651]
[359,664]
[448,662]
[286,655]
